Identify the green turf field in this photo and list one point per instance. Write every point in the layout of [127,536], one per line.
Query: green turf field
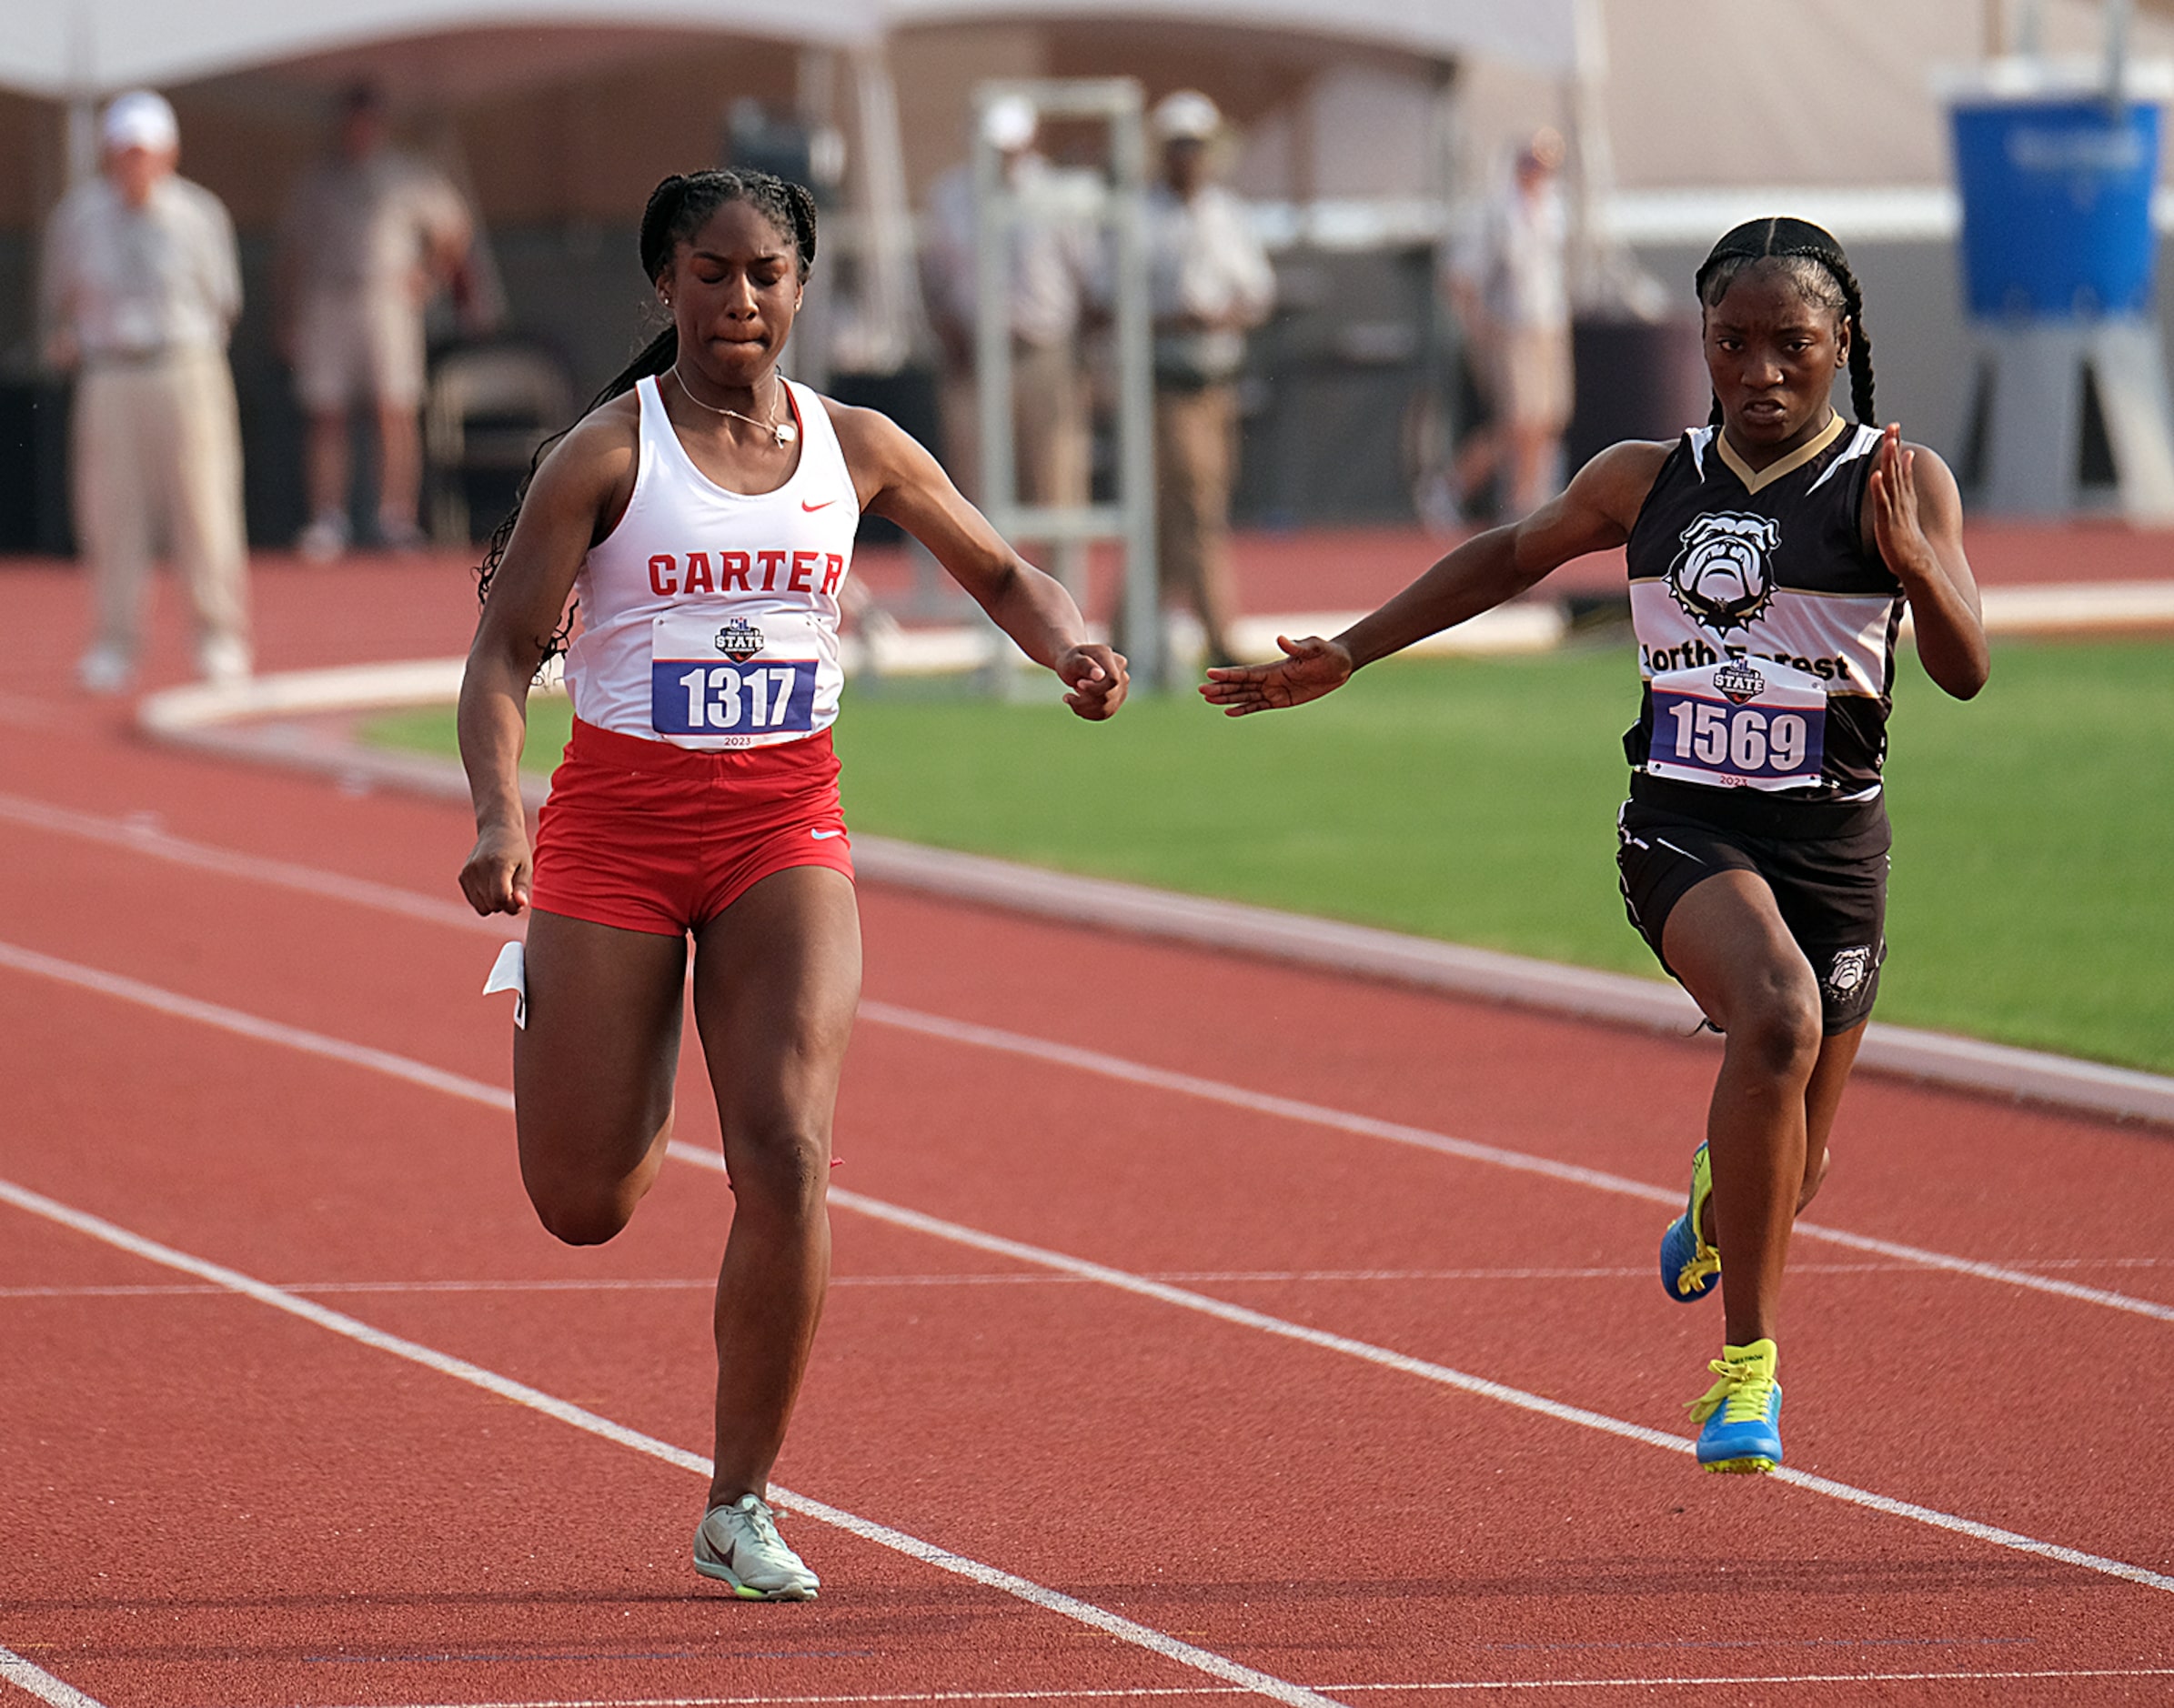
[1475,800]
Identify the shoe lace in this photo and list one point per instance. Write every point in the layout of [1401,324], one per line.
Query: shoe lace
[1705,1261]
[762,1529]
[1742,1395]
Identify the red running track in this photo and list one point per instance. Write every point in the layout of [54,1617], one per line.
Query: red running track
[1259,1377]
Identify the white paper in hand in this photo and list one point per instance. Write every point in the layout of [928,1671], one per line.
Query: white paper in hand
[510,972]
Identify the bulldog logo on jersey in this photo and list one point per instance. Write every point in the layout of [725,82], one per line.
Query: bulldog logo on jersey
[738,640]
[1851,967]
[1722,578]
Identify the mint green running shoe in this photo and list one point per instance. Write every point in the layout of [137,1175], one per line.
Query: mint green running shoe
[739,1545]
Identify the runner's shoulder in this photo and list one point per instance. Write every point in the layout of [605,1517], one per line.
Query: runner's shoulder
[879,455]
[1618,479]
[863,433]
[599,450]
[1631,462]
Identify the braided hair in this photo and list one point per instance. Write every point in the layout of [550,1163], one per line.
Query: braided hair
[677,208]
[1814,264]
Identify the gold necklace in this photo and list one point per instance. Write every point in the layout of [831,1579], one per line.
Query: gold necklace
[782,433]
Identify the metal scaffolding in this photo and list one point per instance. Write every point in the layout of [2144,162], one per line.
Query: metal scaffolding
[1117,207]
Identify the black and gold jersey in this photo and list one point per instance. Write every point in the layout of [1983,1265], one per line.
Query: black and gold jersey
[1766,627]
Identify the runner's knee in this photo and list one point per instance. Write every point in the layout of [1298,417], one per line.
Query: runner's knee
[781,1166]
[581,1212]
[1779,1029]
[587,1204]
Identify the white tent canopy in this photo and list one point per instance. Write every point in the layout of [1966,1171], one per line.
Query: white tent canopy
[87,48]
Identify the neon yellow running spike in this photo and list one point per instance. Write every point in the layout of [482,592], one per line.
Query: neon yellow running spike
[1689,1265]
[1742,1412]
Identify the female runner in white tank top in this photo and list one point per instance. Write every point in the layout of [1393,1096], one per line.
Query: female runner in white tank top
[704,513]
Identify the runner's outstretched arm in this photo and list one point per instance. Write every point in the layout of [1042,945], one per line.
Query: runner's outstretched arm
[1593,513]
[898,478]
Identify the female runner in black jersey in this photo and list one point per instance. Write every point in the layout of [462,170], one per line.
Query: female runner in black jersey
[1771,556]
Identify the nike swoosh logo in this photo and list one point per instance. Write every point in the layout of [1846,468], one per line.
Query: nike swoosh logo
[825,505]
[824,835]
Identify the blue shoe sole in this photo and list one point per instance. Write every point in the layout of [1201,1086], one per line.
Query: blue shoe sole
[1678,1247]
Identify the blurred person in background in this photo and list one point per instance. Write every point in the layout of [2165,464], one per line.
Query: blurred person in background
[139,287]
[1053,276]
[1209,282]
[369,234]
[1506,279]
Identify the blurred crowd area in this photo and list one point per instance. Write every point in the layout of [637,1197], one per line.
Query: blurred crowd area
[1362,161]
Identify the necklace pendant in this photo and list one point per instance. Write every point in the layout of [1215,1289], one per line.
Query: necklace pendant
[784,433]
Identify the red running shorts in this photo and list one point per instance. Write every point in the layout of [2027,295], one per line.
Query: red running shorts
[650,837]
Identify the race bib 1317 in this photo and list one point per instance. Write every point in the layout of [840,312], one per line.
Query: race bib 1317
[731,680]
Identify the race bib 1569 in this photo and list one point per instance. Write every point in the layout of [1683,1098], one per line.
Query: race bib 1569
[731,679]
[1744,723]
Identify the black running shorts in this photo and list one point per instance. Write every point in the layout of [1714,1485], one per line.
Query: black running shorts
[1826,862]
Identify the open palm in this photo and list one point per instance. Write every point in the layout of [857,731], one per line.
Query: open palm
[1310,668]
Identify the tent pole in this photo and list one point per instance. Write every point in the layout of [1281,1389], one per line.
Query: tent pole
[890,291]
[80,156]
[1592,155]
[2119,15]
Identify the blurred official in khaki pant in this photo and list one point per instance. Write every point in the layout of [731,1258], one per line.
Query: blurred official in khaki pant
[1208,282]
[139,287]
[1053,273]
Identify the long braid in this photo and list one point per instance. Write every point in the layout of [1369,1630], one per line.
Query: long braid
[1860,351]
[1806,252]
[677,209]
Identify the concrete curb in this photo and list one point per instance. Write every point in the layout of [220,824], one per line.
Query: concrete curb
[1578,992]
[2078,608]
[256,721]
[206,719]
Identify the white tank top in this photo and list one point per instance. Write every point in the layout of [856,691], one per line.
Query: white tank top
[710,618]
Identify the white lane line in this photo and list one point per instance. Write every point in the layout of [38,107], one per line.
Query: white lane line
[1009,1277]
[142,835]
[227,1019]
[1083,1693]
[1039,1256]
[1064,1055]
[30,1676]
[322,1289]
[1403,1363]
[148,840]
[1735,1682]
[1140,1636]
[1290,1109]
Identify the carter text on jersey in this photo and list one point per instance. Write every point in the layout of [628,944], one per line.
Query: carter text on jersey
[746,572]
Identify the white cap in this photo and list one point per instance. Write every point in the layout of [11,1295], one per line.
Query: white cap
[1543,150]
[1008,122]
[1188,116]
[140,119]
